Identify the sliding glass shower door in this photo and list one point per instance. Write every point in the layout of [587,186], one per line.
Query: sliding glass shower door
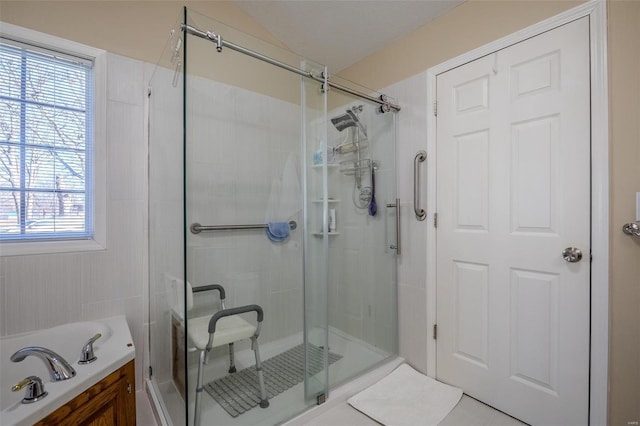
[316,246]
[250,128]
[271,206]
[364,242]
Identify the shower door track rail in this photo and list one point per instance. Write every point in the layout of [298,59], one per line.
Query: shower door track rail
[385,105]
[196,228]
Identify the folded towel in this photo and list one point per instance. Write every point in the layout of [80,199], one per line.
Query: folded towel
[278,231]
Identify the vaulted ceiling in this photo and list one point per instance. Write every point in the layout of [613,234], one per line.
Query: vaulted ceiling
[339,33]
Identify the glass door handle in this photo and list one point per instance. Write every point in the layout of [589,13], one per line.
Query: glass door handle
[398,246]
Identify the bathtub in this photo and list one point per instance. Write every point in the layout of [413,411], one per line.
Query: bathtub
[114,349]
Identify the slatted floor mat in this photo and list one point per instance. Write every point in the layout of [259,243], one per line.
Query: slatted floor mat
[240,392]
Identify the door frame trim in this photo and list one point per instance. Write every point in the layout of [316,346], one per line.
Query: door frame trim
[599,357]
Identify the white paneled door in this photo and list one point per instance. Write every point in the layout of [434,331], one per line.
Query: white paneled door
[513,192]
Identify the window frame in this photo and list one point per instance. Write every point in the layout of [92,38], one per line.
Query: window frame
[98,185]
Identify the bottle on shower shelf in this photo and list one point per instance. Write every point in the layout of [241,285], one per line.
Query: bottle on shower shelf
[332,220]
[318,157]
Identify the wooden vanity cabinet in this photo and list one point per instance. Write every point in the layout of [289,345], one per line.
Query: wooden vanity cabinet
[110,402]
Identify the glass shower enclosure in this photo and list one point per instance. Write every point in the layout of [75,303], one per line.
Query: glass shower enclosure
[272,237]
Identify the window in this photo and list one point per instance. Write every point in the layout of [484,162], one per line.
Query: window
[47,141]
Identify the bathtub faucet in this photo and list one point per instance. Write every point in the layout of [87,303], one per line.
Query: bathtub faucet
[59,369]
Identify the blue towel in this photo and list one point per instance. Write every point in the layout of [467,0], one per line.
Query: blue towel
[278,231]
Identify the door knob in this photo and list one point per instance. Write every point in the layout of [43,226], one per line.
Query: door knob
[572,254]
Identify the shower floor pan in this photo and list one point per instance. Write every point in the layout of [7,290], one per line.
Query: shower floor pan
[290,403]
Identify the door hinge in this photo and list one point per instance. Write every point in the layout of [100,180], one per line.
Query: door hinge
[435,220]
[150,371]
[129,388]
[435,331]
[435,108]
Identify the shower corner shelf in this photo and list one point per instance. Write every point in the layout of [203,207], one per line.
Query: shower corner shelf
[330,200]
[329,166]
[352,167]
[320,234]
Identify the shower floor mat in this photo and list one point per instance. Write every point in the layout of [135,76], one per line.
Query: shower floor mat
[239,392]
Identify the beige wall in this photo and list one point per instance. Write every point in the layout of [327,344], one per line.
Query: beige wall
[624,104]
[478,22]
[136,29]
[140,30]
[470,25]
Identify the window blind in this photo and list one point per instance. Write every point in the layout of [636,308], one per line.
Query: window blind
[46,156]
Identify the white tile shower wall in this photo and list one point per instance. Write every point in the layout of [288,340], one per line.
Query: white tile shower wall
[46,290]
[412,301]
[244,168]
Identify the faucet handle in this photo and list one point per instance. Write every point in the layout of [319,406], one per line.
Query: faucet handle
[35,391]
[88,356]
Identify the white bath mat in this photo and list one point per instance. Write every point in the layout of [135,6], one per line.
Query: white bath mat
[407,397]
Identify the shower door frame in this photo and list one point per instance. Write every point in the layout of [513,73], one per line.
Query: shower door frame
[321,78]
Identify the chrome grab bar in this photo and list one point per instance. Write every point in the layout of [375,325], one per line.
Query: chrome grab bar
[398,246]
[196,228]
[419,158]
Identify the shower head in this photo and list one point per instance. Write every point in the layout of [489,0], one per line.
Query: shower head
[343,121]
[349,119]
